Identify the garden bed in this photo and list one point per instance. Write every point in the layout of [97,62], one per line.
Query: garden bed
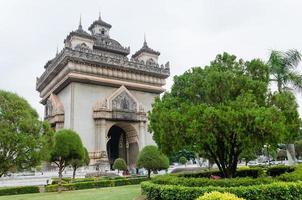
[279,182]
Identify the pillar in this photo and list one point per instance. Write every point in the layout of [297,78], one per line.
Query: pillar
[103,138]
[141,135]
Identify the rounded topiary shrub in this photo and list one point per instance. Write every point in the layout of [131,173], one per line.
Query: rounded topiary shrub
[119,164]
[182,160]
[219,196]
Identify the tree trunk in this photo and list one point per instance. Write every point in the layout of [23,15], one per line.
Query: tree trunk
[149,173]
[292,153]
[60,179]
[74,172]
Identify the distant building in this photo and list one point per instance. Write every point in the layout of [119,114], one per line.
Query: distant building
[92,87]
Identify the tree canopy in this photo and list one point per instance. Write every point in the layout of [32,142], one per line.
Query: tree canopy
[221,110]
[20,130]
[151,159]
[119,164]
[76,163]
[67,146]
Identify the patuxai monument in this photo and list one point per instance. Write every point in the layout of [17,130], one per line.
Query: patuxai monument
[93,87]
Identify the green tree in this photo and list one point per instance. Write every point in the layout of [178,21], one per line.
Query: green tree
[220,110]
[283,71]
[249,154]
[77,163]
[66,147]
[183,160]
[119,164]
[151,159]
[20,130]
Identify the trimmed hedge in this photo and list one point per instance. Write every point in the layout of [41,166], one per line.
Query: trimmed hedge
[219,196]
[19,190]
[96,184]
[278,170]
[90,179]
[201,182]
[250,172]
[273,191]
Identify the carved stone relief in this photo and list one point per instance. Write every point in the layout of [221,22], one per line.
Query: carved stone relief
[123,102]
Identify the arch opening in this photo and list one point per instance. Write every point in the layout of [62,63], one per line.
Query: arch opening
[121,144]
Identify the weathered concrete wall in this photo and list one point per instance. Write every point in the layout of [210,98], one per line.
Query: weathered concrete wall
[78,100]
[65,98]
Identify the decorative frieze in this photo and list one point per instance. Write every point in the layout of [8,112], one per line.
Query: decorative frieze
[105,64]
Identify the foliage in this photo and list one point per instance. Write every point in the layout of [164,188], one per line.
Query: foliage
[286,102]
[298,148]
[273,191]
[189,155]
[204,182]
[229,110]
[18,190]
[282,66]
[47,141]
[219,196]
[66,147]
[119,164]
[254,172]
[282,69]
[76,163]
[20,130]
[96,184]
[293,176]
[249,154]
[183,160]
[279,169]
[151,159]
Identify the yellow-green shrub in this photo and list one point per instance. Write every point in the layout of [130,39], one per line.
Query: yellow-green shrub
[219,196]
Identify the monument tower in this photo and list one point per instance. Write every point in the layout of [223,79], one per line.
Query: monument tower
[93,88]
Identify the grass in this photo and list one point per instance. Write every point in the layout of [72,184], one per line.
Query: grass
[113,193]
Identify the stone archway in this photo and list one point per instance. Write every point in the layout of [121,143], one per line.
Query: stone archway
[122,142]
[119,112]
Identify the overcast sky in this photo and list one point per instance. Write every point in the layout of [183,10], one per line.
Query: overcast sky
[187,33]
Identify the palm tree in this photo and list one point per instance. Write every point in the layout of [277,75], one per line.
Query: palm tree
[282,70]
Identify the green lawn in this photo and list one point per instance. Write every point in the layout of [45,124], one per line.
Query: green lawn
[112,193]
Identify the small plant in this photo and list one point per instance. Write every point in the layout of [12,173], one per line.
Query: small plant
[219,196]
[119,164]
[151,159]
[183,160]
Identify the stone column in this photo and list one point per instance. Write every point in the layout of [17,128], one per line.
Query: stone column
[141,135]
[103,139]
[97,137]
[101,146]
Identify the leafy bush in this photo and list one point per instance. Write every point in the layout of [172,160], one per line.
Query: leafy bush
[279,169]
[96,184]
[119,164]
[151,158]
[244,172]
[293,176]
[18,190]
[182,160]
[202,182]
[219,196]
[273,191]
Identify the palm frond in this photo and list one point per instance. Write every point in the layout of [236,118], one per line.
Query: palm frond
[295,79]
[292,58]
[276,62]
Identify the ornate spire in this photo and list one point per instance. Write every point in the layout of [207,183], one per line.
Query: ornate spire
[145,42]
[80,23]
[100,18]
[57,50]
